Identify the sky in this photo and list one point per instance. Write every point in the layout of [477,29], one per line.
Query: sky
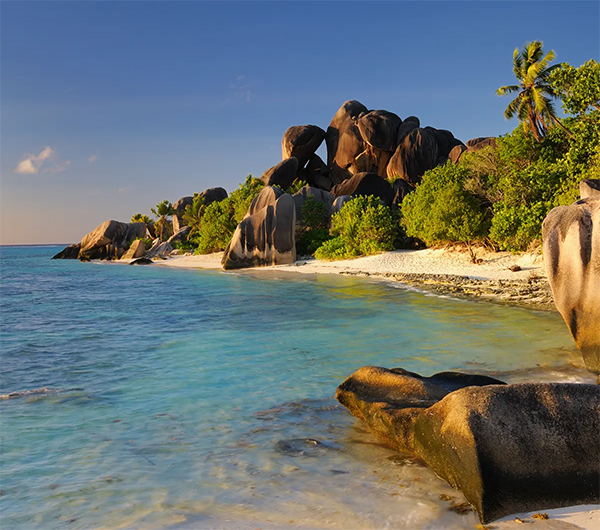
[107,108]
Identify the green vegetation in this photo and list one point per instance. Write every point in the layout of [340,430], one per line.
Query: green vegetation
[533,104]
[443,210]
[362,227]
[502,195]
[312,231]
[140,218]
[163,211]
[217,221]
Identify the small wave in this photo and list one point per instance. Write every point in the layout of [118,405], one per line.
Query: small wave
[37,391]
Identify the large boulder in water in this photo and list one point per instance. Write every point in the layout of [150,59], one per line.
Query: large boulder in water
[70,252]
[509,448]
[571,236]
[265,238]
[110,240]
[344,141]
[417,153]
[366,184]
[301,142]
[282,174]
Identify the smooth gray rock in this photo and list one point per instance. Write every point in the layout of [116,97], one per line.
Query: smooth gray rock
[283,174]
[417,153]
[589,188]
[571,236]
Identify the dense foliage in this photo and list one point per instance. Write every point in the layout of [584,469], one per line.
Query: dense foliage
[442,210]
[362,227]
[503,194]
[312,230]
[217,221]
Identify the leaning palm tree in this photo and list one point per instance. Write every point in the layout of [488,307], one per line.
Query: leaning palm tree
[533,104]
[162,212]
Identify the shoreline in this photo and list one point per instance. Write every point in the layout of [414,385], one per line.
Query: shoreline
[440,271]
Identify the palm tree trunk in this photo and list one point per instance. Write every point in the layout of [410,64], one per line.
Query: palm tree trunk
[559,123]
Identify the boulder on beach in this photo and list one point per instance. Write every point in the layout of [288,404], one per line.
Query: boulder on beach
[180,235]
[301,142]
[283,174]
[159,249]
[344,141]
[267,196]
[456,153]
[136,250]
[379,129]
[409,124]
[266,237]
[366,184]
[401,188]
[315,173]
[508,448]
[339,202]
[417,153]
[571,236]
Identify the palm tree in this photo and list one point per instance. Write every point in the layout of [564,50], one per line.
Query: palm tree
[140,218]
[162,212]
[193,214]
[533,104]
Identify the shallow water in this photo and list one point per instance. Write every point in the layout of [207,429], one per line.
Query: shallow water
[193,399]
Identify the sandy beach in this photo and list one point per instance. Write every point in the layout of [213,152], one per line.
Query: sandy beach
[443,271]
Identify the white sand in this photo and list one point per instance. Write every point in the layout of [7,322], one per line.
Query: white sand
[494,265]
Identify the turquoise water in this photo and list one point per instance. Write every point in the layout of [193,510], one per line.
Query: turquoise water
[181,398]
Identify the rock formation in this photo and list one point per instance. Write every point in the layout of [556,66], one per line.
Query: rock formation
[475,144]
[417,153]
[571,236]
[344,141]
[267,196]
[267,237]
[282,174]
[110,240]
[136,250]
[509,448]
[366,184]
[301,142]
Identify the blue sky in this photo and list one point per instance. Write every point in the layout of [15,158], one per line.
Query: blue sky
[142,101]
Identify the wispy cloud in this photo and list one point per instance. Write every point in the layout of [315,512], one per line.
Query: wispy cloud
[92,159]
[123,190]
[240,90]
[33,163]
[57,168]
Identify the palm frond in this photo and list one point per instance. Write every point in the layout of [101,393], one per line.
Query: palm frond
[509,89]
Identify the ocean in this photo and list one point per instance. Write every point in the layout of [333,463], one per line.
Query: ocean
[159,398]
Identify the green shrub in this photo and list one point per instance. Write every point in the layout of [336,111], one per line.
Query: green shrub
[308,242]
[218,225]
[314,215]
[516,227]
[441,210]
[362,227]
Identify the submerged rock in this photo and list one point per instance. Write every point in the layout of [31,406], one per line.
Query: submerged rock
[70,252]
[509,448]
[571,236]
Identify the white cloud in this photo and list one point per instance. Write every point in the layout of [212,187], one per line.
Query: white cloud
[123,190]
[33,163]
[58,167]
[92,159]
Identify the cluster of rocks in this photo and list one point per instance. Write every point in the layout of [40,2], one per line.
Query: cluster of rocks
[366,150]
[508,448]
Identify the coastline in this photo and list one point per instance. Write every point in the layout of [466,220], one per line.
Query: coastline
[442,271]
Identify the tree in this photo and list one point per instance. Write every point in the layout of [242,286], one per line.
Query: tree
[533,104]
[140,218]
[162,212]
[193,214]
[578,88]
